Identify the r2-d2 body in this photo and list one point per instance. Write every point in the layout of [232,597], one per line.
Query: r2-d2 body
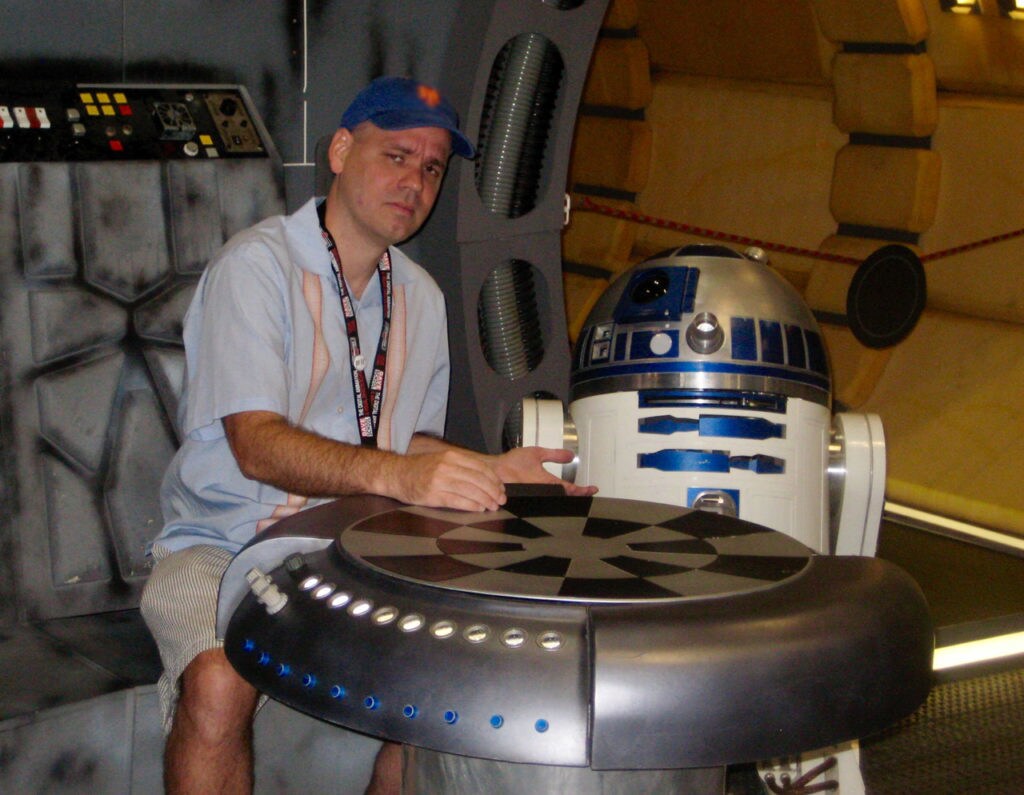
[701,379]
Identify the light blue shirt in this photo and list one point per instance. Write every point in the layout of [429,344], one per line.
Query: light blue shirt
[265,332]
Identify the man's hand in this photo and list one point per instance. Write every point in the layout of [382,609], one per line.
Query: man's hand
[450,478]
[526,465]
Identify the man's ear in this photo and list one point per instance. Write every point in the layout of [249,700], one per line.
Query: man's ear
[341,144]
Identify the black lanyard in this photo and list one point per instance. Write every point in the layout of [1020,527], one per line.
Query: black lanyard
[368,395]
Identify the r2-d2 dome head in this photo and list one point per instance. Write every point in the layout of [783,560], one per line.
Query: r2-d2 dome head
[700,378]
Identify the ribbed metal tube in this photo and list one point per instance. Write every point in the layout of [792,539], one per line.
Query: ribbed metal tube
[517,115]
[509,323]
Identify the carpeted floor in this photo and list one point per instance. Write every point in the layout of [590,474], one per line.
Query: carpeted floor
[968,737]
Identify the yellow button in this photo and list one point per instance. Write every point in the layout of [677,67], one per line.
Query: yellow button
[102,97]
[206,140]
[120,98]
[86,98]
[92,110]
[108,110]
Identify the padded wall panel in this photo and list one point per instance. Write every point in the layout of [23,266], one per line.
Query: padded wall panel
[248,191]
[612,153]
[600,241]
[885,187]
[142,446]
[743,39]
[74,408]
[167,366]
[9,234]
[47,220]
[886,21]
[620,74]
[124,236]
[621,15]
[885,94]
[195,214]
[92,366]
[97,320]
[82,556]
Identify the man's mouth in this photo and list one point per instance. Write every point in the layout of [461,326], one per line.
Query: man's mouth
[403,208]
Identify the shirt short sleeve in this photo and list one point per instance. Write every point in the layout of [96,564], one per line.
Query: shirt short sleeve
[238,336]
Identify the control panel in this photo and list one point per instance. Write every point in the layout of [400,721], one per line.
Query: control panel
[81,122]
[475,675]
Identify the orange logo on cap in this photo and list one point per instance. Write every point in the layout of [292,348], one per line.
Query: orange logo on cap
[429,95]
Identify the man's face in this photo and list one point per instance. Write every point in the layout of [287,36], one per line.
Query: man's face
[387,180]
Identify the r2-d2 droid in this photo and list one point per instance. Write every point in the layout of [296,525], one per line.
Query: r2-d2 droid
[701,379]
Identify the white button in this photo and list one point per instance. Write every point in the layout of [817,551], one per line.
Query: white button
[359,363]
[477,633]
[661,344]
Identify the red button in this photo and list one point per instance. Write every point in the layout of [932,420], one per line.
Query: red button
[117,146]
[126,110]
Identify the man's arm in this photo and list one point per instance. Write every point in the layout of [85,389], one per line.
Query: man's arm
[519,465]
[270,449]
[433,473]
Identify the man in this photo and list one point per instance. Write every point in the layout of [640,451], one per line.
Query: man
[317,367]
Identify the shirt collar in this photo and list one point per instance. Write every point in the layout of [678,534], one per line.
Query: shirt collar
[308,244]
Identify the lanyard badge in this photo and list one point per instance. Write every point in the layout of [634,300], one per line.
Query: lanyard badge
[368,394]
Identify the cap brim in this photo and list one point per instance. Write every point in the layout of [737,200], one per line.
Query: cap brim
[407,120]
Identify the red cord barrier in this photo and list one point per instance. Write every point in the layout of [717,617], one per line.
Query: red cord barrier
[664,223]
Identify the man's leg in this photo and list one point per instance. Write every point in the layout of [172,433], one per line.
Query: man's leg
[209,748]
[387,771]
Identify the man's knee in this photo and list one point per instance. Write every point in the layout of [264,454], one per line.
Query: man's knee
[214,699]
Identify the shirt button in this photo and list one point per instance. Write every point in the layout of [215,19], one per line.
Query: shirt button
[341,409]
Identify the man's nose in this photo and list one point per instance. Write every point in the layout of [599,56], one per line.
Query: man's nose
[412,178]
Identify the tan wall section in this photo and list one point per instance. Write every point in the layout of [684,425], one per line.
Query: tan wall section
[982,195]
[749,159]
[949,400]
[746,39]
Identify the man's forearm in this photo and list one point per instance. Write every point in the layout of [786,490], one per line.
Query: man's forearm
[434,473]
[271,450]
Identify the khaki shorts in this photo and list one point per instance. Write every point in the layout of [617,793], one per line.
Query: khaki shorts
[179,604]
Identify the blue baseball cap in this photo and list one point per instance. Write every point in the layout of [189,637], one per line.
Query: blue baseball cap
[399,103]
